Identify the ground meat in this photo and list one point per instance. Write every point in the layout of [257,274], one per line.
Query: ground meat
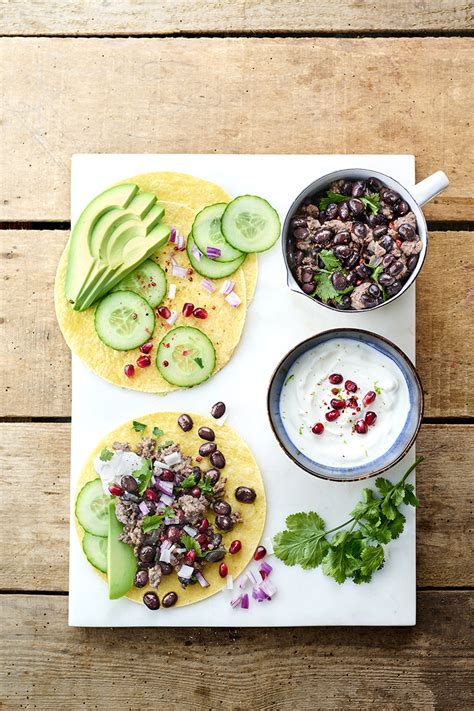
[133,535]
[183,468]
[313,224]
[219,488]
[127,512]
[410,248]
[236,517]
[338,226]
[357,294]
[409,219]
[154,575]
[194,509]
[312,210]
[121,446]
[146,448]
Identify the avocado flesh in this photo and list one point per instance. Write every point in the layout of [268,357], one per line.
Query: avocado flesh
[121,562]
[153,217]
[142,204]
[80,259]
[104,228]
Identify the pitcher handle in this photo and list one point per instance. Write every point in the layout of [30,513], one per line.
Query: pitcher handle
[427,189]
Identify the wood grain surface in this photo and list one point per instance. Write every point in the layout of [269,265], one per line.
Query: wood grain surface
[444,486]
[126,17]
[275,95]
[36,362]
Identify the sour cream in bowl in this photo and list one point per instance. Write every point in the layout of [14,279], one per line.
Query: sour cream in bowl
[345,404]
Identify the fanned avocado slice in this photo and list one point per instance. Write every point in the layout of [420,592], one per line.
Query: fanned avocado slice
[121,562]
[142,204]
[153,217]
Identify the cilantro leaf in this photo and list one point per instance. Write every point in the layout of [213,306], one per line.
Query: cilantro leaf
[331,262]
[191,544]
[206,486]
[168,443]
[138,426]
[290,377]
[372,202]
[340,563]
[106,455]
[304,542]
[149,523]
[331,197]
[324,288]
[143,475]
[372,558]
[383,485]
[187,483]
[199,362]
[410,497]
[157,432]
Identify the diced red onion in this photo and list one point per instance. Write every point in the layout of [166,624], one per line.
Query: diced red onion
[268,588]
[178,271]
[166,487]
[213,252]
[233,299]
[173,316]
[243,582]
[170,521]
[172,458]
[172,258]
[227,286]
[180,243]
[266,568]
[144,508]
[252,577]
[201,580]
[245,602]
[165,555]
[190,531]
[230,582]
[258,594]
[158,467]
[167,500]
[173,234]
[186,571]
[171,291]
[166,544]
[208,286]
[268,544]
[236,601]
[196,252]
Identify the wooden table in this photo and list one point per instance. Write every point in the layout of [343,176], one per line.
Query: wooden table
[211,76]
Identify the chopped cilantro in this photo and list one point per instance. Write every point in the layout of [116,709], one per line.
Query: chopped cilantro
[106,455]
[372,202]
[157,432]
[168,443]
[191,544]
[138,426]
[301,429]
[149,523]
[290,377]
[188,483]
[331,262]
[325,289]
[206,486]
[143,475]
[331,197]
[199,362]
[377,388]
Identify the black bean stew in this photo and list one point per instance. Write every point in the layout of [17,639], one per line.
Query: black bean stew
[355,245]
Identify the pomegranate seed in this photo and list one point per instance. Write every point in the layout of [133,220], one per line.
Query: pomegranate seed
[143,361]
[167,475]
[369,398]
[235,547]
[360,426]
[338,404]
[115,490]
[335,378]
[196,492]
[223,570]
[351,386]
[146,348]
[263,574]
[188,309]
[189,271]
[151,495]
[202,539]
[332,415]
[129,370]
[370,417]
[318,428]
[174,534]
[352,402]
[200,313]
[164,312]
[190,556]
[260,553]
[203,526]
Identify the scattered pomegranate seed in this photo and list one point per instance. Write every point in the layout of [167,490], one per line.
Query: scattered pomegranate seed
[189,271]
[164,312]
[335,378]
[351,386]
[146,348]
[370,417]
[202,539]
[190,556]
[260,553]
[223,570]
[318,428]
[338,404]
[235,547]
[151,495]
[332,415]
[167,475]
[352,402]
[196,492]
[129,370]
[203,526]
[200,313]
[115,490]
[143,361]
[360,426]
[188,309]
[369,398]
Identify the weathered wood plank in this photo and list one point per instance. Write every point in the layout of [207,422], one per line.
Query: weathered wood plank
[64,96]
[35,361]
[39,453]
[47,665]
[125,17]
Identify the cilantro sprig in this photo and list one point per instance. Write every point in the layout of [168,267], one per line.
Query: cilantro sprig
[191,544]
[357,551]
[324,286]
[331,197]
[106,455]
[372,201]
[143,475]
[149,523]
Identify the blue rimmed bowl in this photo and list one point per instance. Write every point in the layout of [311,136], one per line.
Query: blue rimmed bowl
[413,416]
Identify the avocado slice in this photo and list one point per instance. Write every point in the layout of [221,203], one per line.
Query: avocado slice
[80,258]
[142,204]
[122,564]
[153,217]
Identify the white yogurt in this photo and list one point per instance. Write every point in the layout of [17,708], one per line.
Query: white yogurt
[305,400]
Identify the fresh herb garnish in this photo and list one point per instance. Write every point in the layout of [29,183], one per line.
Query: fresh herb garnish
[157,432]
[377,388]
[331,197]
[325,289]
[106,455]
[199,362]
[372,202]
[138,426]
[206,486]
[149,523]
[301,429]
[168,443]
[290,377]
[376,272]
[358,551]
[143,475]
[187,483]
[331,262]
[191,544]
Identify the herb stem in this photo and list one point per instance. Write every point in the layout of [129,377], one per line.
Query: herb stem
[341,526]
[417,461]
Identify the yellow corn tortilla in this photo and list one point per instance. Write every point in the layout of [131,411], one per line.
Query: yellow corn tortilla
[241,470]
[224,324]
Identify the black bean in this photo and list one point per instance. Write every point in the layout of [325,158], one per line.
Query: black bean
[166,568]
[363,271]
[412,262]
[374,184]
[358,189]
[217,460]
[359,229]
[391,197]
[322,216]
[331,211]
[386,243]
[380,231]
[207,433]
[368,300]
[224,523]
[394,288]
[298,222]
[373,220]
[386,279]
[343,210]
[308,288]
[374,291]
[197,473]
[356,206]
[205,450]
[129,484]
[146,554]
[323,236]
[342,251]
[301,232]
[141,578]
[169,599]
[352,278]
[297,259]
[352,260]
[396,268]
[245,494]
[185,422]
[343,237]
[345,303]
[223,508]
[402,208]
[307,275]
[216,555]
[346,188]
[406,232]
[151,600]
[388,260]
[339,281]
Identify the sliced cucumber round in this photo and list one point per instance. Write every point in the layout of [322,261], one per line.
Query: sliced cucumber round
[207,233]
[211,268]
[95,549]
[92,508]
[148,281]
[124,320]
[185,357]
[249,223]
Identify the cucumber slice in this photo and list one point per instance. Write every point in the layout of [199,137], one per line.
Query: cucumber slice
[185,357]
[207,232]
[123,320]
[251,224]
[95,549]
[148,281]
[211,268]
[92,508]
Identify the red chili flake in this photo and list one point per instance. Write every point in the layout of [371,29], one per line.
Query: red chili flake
[153,283]
[198,458]
[335,391]
[167,345]
[213,308]
[190,271]
[453,364]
